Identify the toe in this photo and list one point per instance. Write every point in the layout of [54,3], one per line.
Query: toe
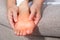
[24,33]
[17,32]
[28,32]
[21,32]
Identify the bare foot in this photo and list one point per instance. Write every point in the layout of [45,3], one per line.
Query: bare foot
[24,26]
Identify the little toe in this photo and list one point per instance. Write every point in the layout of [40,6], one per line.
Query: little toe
[15,32]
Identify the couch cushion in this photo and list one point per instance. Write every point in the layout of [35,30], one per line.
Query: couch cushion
[50,22]
[51,38]
[3,13]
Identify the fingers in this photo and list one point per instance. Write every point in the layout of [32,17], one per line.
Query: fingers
[32,14]
[38,16]
[10,19]
[15,16]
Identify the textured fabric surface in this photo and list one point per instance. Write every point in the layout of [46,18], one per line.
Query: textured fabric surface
[8,34]
[51,38]
[3,13]
[49,24]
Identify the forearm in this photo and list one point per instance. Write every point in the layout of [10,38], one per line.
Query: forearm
[38,2]
[11,3]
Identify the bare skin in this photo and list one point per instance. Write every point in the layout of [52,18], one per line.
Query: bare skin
[35,14]
[12,11]
[35,10]
[24,26]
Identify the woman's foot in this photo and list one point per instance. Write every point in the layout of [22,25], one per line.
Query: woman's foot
[24,26]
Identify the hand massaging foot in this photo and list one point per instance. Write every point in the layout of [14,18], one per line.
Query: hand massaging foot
[24,26]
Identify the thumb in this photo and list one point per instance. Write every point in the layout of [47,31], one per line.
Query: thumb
[15,16]
[32,14]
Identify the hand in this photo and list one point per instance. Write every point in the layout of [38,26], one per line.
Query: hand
[35,13]
[12,15]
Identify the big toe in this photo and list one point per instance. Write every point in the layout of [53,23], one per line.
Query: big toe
[23,32]
[29,31]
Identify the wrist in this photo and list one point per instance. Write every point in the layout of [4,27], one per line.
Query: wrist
[10,3]
[38,5]
[38,2]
